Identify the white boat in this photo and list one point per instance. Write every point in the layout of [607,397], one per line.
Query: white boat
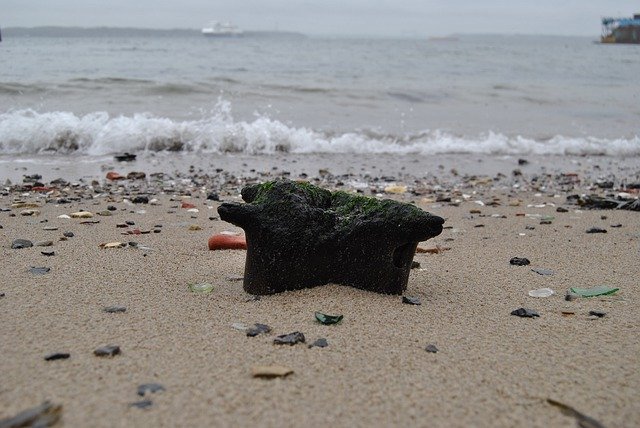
[221,29]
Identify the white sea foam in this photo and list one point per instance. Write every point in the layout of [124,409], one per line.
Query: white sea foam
[29,132]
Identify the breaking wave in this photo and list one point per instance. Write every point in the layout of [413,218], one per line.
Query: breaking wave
[98,133]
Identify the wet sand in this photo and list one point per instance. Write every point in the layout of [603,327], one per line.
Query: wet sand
[491,368]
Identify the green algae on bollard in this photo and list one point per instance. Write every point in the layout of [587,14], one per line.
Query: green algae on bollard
[300,235]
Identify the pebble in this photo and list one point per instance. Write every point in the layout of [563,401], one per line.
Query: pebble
[289,339]
[258,329]
[144,404]
[519,261]
[598,314]
[21,243]
[596,230]
[140,200]
[68,234]
[39,270]
[320,343]
[111,208]
[150,387]
[107,351]
[411,300]
[57,356]
[115,309]
[525,313]
[431,348]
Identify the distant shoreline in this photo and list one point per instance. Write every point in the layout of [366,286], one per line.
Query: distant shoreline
[53,31]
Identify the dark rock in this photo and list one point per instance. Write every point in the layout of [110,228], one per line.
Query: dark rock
[596,230]
[115,309]
[258,329]
[299,235]
[542,271]
[411,300]
[57,356]
[125,157]
[39,270]
[130,223]
[107,351]
[519,261]
[570,296]
[140,200]
[213,196]
[111,208]
[48,253]
[562,210]
[150,387]
[136,175]
[431,348]
[289,339]
[320,343]
[522,161]
[144,404]
[605,184]
[328,319]
[525,313]
[616,225]
[68,234]
[18,244]
[2,294]
[598,314]
[415,264]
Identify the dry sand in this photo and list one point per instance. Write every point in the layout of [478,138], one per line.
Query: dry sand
[491,368]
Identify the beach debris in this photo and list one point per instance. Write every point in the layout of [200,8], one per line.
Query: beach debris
[113,176]
[431,348]
[227,242]
[270,372]
[44,415]
[525,313]
[436,250]
[57,356]
[125,157]
[18,244]
[48,253]
[289,339]
[541,292]
[320,343]
[107,351]
[519,261]
[194,227]
[411,300]
[187,205]
[597,314]
[39,270]
[143,404]
[43,243]
[597,202]
[115,309]
[213,196]
[202,288]
[600,290]
[82,214]
[583,420]
[150,387]
[395,189]
[300,229]
[328,319]
[113,245]
[258,329]
[542,271]
[596,230]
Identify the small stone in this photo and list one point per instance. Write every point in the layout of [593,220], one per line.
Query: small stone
[525,313]
[596,230]
[125,157]
[111,208]
[21,243]
[213,196]
[150,387]
[562,210]
[68,234]
[115,309]
[328,319]
[270,371]
[616,225]
[57,356]
[415,264]
[519,261]
[598,314]
[136,175]
[140,200]
[30,213]
[39,270]
[203,288]
[431,348]
[258,329]
[320,343]
[289,339]
[130,223]
[144,404]
[187,205]
[107,351]
[411,300]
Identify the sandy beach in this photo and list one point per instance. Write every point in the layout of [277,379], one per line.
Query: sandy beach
[490,369]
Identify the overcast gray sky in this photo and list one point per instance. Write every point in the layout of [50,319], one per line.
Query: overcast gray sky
[329,17]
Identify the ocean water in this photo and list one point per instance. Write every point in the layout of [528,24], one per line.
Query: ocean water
[268,93]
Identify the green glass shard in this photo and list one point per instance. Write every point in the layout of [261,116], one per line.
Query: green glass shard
[328,319]
[601,290]
[203,287]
